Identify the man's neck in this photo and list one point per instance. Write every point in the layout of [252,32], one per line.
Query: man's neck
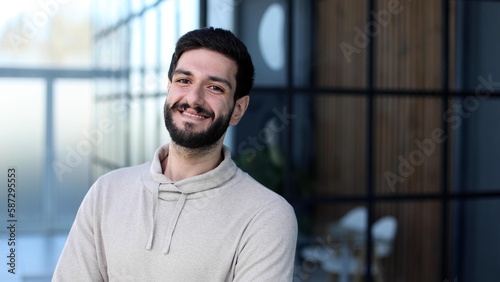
[183,162]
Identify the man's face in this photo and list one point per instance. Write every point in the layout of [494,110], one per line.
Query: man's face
[200,101]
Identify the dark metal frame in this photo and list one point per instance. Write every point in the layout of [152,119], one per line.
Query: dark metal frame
[446,196]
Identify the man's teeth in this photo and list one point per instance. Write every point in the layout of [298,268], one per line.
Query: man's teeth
[191,115]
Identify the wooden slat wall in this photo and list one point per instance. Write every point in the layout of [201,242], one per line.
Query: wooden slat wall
[340,120]
[408,55]
[340,123]
[334,23]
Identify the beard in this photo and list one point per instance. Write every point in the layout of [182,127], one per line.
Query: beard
[187,137]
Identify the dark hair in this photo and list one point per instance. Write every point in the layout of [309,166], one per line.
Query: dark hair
[221,41]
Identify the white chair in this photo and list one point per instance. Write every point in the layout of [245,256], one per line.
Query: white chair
[345,230]
[352,227]
[353,222]
[317,253]
[346,265]
[383,233]
[355,219]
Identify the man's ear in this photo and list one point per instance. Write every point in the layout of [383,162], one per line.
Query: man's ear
[240,106]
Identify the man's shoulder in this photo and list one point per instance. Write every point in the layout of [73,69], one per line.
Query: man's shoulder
[264,206]
[124,175]
[252,190]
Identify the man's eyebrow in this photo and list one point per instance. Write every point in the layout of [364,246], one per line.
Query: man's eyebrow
[185,72]
[210,77]
[222,80]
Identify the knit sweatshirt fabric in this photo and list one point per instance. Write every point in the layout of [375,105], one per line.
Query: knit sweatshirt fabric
[135,224]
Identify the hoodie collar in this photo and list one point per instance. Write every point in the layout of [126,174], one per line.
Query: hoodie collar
[161,187]
[198,183]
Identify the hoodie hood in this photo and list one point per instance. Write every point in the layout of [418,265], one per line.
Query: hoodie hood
[161,187]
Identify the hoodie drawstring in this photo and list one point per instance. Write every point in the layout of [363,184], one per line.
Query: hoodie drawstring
[175,216]
[155,196]
[171,227]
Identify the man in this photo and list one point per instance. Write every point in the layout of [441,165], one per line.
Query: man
[190,214]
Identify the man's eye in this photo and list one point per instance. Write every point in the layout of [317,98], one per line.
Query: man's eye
[183,80]
[216,88]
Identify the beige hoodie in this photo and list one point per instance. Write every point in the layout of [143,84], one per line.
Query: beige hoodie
[135,224]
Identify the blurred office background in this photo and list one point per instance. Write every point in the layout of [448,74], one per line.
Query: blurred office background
[371,117]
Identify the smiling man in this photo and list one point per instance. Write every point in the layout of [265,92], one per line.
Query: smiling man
[190,214]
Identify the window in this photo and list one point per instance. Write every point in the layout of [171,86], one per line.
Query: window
[46,101]
[388,106]
[137,46]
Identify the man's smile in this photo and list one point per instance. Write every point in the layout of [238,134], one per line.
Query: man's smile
[193,114]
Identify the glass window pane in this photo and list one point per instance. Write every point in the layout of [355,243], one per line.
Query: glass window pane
[136,83]
[408,143]
[477,151]
[164,135]
[169,32]
[111,153]
[476,232]
[220,13]
[265,39]
[150,2]
[188,17]
[150,38]
[137,5]
[97,16]
[137,132]
[335,62]
[105,52]
[413,251]
[38,254]
[258,142]
[259,148]
[478,49]
[75,140]
[116,49]
[300,122]
[340,137]
[118,139]
[407,56]
[113,11]
[36,34]
[152,83]
[100,113]
[136,43]
[302,47]
[153,117]
[23,127]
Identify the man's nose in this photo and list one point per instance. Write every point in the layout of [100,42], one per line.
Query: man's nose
[195,96]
